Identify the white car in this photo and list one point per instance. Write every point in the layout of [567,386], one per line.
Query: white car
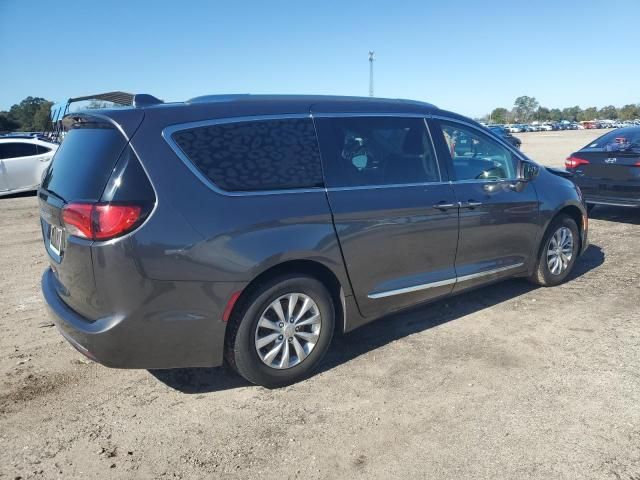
[23,161]
[546,128]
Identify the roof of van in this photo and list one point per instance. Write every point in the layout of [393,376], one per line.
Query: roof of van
[305,99]
[248,105]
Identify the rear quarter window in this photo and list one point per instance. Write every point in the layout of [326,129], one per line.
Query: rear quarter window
[255,155]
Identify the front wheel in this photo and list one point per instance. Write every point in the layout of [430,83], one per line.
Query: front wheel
[281,331]
[560,247]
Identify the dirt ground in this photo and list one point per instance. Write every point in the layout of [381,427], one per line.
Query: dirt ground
[509,381]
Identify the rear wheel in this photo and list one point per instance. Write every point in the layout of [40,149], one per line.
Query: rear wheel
[559,251]
[281,331]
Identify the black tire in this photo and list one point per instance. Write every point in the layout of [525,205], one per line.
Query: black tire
[542,274]
[590,207]
[240,348]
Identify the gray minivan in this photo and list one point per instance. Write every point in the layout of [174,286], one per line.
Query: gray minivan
[250,228]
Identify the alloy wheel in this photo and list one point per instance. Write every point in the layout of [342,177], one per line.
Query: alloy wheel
[560,251]
[288,330]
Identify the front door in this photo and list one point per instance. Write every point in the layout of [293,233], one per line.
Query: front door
[499,227]
[394,210]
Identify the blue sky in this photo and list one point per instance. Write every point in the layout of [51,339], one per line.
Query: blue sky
[463,55]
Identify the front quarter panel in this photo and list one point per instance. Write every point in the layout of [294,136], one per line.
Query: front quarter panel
[556,193]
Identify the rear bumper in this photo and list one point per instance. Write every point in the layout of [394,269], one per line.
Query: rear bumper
[147,339]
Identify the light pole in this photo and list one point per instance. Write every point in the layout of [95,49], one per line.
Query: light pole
[371,59]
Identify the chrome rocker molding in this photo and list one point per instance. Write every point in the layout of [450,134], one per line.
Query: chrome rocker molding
[442,283]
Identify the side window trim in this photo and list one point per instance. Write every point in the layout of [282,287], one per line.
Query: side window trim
[167,134]
[499,141]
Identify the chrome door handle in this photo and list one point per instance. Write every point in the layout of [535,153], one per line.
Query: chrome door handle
[444,206]
[470,204]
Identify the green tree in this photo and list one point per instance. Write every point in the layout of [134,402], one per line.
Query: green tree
[630,112]
[42,117]
[499,115]
[7,124]
[608,113]
[525,107]
[542,114]
[587,114]
[571,113]
[25,111]
[555,115]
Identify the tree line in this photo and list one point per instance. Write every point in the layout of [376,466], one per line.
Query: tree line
[527,109]
[33,114]
[30,115]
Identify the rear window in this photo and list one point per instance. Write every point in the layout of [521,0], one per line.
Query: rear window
[83,163]
[621,136]
[256,155]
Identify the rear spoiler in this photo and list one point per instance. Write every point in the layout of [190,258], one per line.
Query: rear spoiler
[58,113]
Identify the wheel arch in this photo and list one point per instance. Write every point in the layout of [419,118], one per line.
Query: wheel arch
[311,268]
[572,211]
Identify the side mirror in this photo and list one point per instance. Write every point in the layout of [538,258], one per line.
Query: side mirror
[528,171]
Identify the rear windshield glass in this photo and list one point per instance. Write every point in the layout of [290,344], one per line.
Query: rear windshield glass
[256,155]
[617,139]
[83,163]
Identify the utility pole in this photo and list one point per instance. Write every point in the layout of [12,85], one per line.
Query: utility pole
[371,59]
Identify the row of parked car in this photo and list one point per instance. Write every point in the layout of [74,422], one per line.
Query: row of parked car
[566,125]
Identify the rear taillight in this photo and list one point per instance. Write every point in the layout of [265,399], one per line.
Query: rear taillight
[575,162]
[96,221]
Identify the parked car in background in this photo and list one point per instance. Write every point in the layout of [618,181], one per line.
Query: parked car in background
[607,170]
[249,228]
[23,159]
[504,134]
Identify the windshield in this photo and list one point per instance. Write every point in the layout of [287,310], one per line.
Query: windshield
[620,139]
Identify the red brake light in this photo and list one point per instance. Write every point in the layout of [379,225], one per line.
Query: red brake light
[99,221]
[575,162]
[77,219]
[114,220]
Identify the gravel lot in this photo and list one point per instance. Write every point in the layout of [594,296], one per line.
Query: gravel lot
[509,381]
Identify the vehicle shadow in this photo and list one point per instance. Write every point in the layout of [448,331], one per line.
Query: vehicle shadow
[19,195]
[616,214]
[345,348]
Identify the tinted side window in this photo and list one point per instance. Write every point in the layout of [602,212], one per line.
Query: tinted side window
[360,151]
[477,156]
[17,149]
[256,155]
